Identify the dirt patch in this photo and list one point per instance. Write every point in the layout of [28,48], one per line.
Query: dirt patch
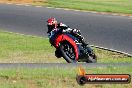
[22,1]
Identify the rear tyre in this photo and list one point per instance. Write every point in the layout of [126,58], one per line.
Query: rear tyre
[68,52]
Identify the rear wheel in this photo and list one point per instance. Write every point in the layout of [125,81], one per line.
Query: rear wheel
[68,52]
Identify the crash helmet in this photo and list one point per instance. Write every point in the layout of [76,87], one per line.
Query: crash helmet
[51,24]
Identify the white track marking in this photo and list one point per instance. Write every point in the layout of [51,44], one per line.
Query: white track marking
[113,50]
[27,5]
[49,7]
[38,6]
[9,3]
[19,4]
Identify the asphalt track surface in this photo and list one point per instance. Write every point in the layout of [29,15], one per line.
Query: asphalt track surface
[108,31]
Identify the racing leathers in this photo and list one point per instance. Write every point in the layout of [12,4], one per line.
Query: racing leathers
[75,32]
[62,28]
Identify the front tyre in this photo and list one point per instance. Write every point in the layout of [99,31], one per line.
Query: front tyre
[68,52]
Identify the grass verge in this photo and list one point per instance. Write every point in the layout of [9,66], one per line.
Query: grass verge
[18,48]
[114,6]
[56,77]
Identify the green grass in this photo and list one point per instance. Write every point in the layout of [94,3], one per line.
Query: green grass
[18,48]
[56,77]
[114,6]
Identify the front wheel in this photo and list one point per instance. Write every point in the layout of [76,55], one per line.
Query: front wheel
[68,52]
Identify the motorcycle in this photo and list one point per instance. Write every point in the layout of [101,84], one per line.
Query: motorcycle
[70,48]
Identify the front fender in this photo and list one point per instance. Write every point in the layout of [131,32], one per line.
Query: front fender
[64,37]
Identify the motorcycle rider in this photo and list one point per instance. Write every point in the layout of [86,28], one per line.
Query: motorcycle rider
[52,24]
